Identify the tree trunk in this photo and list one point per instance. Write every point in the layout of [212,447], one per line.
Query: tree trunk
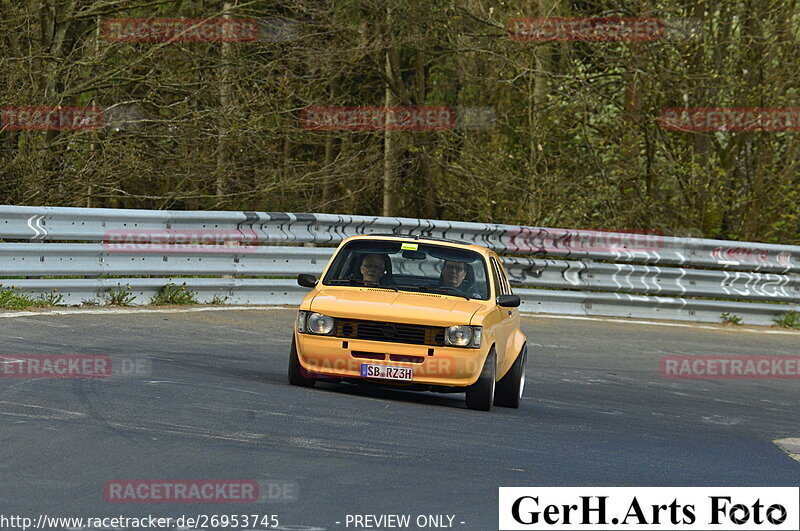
[330,156]
[225,95]
[539,89]
[390,138]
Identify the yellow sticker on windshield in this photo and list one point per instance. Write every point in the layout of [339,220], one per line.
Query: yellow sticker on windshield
[409,246]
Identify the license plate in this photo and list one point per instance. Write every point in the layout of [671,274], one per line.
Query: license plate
[385,372]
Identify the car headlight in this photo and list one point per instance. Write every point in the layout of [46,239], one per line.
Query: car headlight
[463,336]
[317,323]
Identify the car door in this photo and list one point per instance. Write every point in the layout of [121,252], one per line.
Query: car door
[513,315]
[508,318]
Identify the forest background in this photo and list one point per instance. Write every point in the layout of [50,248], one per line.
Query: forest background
[575,138]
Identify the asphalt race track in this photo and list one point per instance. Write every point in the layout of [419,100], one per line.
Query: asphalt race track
[212,402]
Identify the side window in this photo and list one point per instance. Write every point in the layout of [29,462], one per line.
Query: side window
[500,282]
[498,287]
[504,278]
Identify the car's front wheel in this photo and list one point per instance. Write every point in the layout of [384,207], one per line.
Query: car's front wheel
[512,385]
[297,374]
[480,395]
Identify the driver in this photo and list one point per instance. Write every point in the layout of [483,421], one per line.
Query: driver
[373,268]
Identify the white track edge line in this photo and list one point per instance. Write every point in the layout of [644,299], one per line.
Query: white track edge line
[656,323]
[127,311]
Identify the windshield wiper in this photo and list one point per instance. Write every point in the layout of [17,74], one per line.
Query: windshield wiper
[348,281]
[357,282]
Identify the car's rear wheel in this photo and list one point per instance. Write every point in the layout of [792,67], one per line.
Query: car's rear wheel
[480,395]
[297,374]
[512,385]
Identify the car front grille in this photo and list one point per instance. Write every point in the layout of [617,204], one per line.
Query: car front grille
[389,332]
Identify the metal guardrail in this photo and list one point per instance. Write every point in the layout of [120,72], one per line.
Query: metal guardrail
[653,280]
[565,271]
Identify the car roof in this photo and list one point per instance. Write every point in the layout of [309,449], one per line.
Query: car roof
[418,238]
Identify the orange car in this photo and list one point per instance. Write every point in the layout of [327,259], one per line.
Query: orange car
[419,312]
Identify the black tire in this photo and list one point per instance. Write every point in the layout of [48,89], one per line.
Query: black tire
[297,374]
[480,395]
[512,385]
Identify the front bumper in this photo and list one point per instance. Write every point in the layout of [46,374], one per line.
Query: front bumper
[338,357]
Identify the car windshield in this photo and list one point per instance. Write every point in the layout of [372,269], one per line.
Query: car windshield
[410,266]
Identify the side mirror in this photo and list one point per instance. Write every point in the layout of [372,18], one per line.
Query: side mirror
[307,281]
[508,301]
